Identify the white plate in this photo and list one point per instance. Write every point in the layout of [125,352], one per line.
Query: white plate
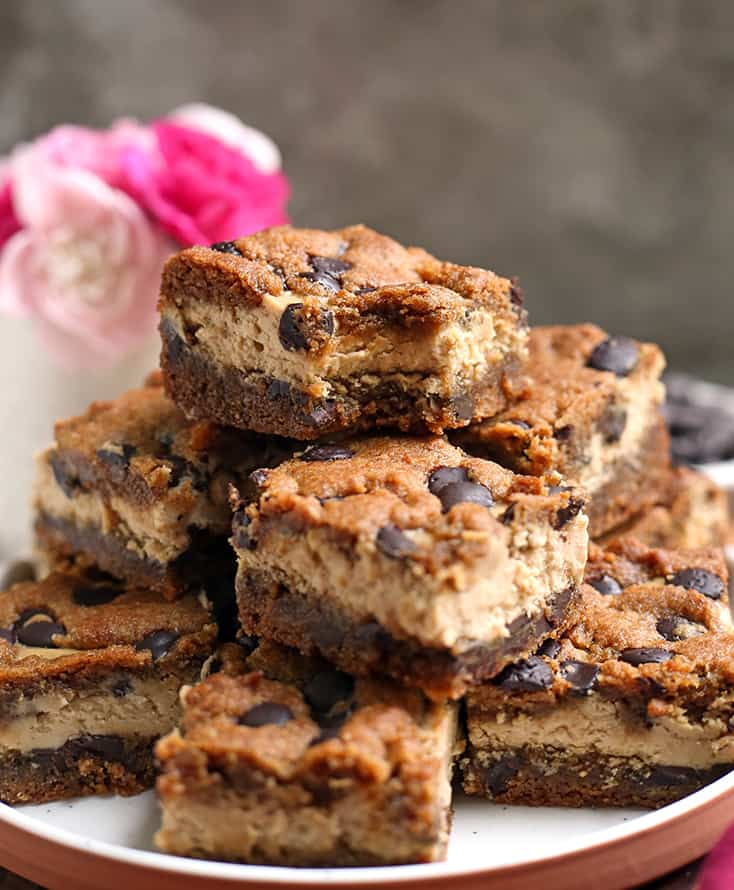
[105,843]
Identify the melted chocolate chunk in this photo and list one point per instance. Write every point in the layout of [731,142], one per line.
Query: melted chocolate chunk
[702,580]
[618,355]
[393,541]
[267,713]
[247,643]
[109,747]
[507,517]
[329,265]
[451,493]
[95,596]
[645,655]
[530,675]
[676,627]
[117,457]
[16,571]
[299,332]
[462,407]
[672,775]
[517,295]
[580,675]
[158,643]
[563,433]
[241,537]
[498,776]
[444,476]
[7,634]
[66,477]
[278,389]
[606,584]
[326,689]
[38,628]
[121,687]
[365,289]
[320,415]
[326,453]
[612,424]
[567,513]
[549,648]
[226,247]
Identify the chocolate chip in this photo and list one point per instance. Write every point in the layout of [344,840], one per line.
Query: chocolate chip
[580,675]
[226,247]
[247,643]
[95,596]
[444,476]
[117,456]
[612,424]
[702,580]
[330,265]
[675,627]
[645,655]
[158,643]
[498,776]
[109,747]
[267,713]
[38,628]
[606,584]
[672,775]
[563,433]
[326,453]
[517,296]
[66,477]
[17,571]
[327,688]
[241,537]
[298,332]
[7,634]
[320,415]
[523,424]
[507,517]
[616,354]
[462,407]
[567,513]
[549,648]
[393,541]
[326,734]
[278,389]
[327,281]
[365,289]
[121,688]
[530,675]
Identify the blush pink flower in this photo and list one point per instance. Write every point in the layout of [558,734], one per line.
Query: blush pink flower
[9,223]
[85,265]
[202,190]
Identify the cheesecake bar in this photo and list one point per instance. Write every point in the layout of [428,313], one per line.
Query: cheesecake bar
[408,557]
[632,706]
[692,511]
[303,333]
[295,763]
[134,487]
[90,673]
[590,411]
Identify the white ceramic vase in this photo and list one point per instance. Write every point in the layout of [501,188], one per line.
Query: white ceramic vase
[36,392]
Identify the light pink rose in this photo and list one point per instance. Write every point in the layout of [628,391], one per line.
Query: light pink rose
[85,266]
[9,223]
[201,190]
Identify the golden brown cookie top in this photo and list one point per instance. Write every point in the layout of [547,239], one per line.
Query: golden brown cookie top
[352,270]
[71,620]
[414,496]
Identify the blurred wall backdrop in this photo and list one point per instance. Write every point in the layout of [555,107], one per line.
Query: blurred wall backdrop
[584,145]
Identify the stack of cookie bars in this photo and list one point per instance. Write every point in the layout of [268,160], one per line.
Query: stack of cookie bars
[365,527]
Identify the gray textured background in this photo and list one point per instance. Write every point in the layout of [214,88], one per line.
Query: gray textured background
[584,145]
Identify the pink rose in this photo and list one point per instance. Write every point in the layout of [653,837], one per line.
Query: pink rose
[202,190]
[9,223]
[85,266]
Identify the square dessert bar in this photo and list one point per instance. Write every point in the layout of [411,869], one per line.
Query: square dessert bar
[591,411]
[137,489]
[632,706]
[692,511]
[298,764]
[407,557]
[90,673]
[303,333]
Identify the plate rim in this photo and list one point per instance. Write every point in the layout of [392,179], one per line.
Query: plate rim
[213,870]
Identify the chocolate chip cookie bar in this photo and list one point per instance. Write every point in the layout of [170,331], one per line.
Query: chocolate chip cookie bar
[632,706]
[591,411]
[691,512]
[298,764]
[408,557]
[304,333]
[137,489]
[90,673]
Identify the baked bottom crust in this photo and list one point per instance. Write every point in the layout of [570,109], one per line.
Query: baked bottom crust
[548,776]
[255,401]
[270,610]
[636,482]
[118,766]
[207,557]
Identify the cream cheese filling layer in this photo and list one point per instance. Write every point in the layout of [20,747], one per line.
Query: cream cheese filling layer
[148,709]
[610,728]
[157,532]
[441,356]
[521,568]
